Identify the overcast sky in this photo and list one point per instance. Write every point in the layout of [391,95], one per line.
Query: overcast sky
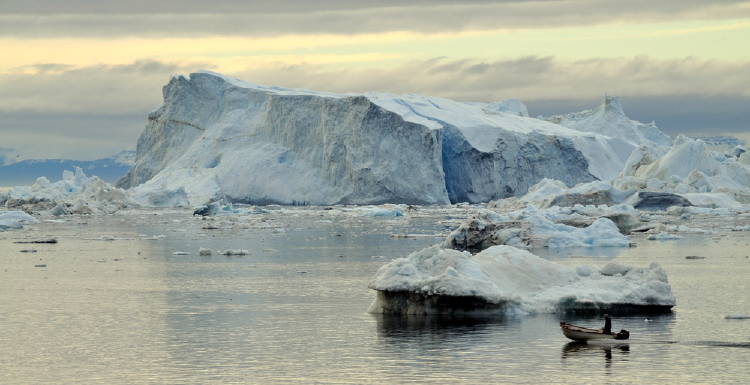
[78,77]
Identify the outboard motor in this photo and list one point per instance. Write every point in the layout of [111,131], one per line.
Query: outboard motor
[622,335]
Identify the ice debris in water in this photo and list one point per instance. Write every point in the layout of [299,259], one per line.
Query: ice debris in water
[204,252]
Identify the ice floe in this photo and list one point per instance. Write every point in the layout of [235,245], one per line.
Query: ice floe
[531,227]
[13,220]
[506,279]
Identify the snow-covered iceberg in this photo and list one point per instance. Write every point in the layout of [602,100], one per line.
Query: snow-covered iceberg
[689,167]
[75,193]
[532,228]
[217,137]
[690,173]
[509,280]
[551,192]
[609,119]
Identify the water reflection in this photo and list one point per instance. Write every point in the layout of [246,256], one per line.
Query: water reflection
[436,327]
[582,349]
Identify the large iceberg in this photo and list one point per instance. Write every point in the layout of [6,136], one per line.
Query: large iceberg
[508,280]
[216,137]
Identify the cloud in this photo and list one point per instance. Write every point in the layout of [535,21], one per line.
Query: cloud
[113,89]
[70,135]
[682,95]
[93,111]
[528,78]
[270,18]
[6,155]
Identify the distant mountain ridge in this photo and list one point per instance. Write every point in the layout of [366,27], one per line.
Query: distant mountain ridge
[26,171]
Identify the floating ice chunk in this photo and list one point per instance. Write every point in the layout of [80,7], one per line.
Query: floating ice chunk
[663,237]
[531,228]
[180,253]
[15,220]
[382,212]
[385,213]
[602,233]
[737,316]
[437,280]
[204,252]
[233,252]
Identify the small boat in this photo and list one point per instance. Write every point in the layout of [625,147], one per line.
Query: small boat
[577,333]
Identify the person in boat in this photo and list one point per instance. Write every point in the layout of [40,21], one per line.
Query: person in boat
[607,324]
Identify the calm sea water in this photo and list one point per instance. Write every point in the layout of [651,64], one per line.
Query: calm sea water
[128,311]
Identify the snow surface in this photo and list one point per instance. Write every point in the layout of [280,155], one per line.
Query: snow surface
[218,137]
[504,274]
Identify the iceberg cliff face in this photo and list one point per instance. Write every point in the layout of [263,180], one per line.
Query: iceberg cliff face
[217,137]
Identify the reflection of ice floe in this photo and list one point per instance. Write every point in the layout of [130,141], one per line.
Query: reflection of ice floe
[506,279]
[10,220]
